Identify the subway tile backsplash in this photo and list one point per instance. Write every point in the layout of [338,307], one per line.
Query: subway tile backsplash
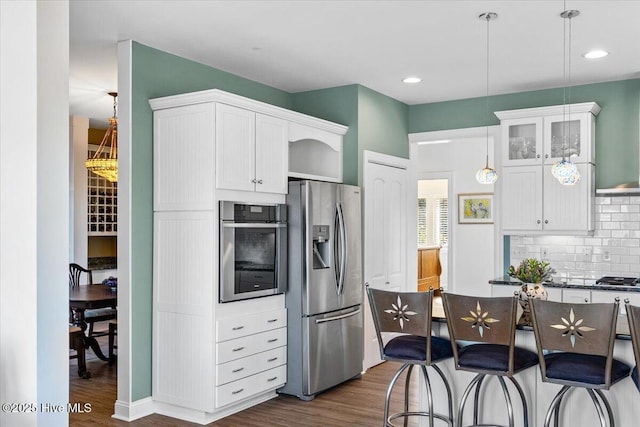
[613,250]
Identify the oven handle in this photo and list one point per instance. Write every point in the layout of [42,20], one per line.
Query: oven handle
[254,225]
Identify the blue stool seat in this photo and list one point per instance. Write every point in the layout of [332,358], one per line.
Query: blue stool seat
[587,369]
[495,357]
[634,377]
[411,347]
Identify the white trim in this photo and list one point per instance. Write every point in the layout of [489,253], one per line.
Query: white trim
[131,411]
[585,107]
[217,95]
[124,225]
[385,160]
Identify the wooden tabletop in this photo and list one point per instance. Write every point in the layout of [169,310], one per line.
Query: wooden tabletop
[92,296]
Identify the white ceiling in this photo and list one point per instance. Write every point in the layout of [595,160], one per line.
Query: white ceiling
[305,45]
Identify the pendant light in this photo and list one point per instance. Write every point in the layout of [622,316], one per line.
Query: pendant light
[487,175]
[564,170]
[102,163]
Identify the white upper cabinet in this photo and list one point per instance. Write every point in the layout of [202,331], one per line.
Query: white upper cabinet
[213,139]
[251,151]
[183,158]
[543,135]
[533,201]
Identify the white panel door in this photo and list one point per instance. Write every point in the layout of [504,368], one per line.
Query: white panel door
[235,148]
[385,246]
[272,154]
[522,198]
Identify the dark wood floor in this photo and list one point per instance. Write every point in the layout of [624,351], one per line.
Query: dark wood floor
[357,402]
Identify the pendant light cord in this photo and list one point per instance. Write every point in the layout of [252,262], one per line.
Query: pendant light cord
[488,17]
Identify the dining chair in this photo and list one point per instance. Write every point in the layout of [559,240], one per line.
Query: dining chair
[113,330]
[633,317]
[482,332]
[575,349]
[76,343]
[403,321]
[91,316]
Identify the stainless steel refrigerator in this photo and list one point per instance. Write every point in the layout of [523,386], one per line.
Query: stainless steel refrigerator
[325,293]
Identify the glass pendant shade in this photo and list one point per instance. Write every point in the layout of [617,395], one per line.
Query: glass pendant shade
[565,172]
[486,175]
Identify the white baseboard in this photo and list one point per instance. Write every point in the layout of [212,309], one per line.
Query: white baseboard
[141,408]
[126,411]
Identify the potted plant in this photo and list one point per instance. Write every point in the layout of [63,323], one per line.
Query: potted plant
[533,273]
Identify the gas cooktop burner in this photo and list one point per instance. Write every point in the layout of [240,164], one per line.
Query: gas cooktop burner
[612,280]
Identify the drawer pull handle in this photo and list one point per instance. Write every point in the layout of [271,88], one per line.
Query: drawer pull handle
[237,391]
[272,320]
[238,349]
[273,359]
[237,328]
[272,379]
[272,340]
[237,370]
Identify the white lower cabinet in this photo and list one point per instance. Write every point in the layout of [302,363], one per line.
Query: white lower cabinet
[251,355]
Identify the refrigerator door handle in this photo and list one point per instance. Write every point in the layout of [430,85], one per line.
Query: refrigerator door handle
[340,248]
[342,316]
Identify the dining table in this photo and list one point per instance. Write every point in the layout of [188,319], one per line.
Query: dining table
[89,297]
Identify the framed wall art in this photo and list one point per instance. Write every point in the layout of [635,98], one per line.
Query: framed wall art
[475,208]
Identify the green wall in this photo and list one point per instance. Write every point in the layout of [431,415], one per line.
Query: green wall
[155,74]
[617,125]
[339,105]
[376,122]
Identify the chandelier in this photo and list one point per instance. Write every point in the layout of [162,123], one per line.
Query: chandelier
[487,175]
[102,163]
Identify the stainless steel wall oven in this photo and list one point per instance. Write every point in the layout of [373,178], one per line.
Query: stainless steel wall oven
[253,250]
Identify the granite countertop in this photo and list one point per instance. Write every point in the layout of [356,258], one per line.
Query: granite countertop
[572,283]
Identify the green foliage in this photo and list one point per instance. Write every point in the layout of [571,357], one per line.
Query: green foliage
[532,270]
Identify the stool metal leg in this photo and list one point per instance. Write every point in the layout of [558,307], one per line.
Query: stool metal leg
[406,393]
[525,409]
[507,398]
[465,395]
[476,400]
[448,387]
[429,394]
[555,405]
[596,403]
[612,423]
[389,390]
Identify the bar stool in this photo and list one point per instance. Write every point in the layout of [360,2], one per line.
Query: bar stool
[575,348]
[409,314]
[633,317]
[485,330]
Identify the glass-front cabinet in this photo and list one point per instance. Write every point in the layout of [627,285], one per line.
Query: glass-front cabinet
[544,135]
[524,141]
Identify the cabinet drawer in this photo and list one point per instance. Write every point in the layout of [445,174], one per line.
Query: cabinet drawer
[250,365]
[236,327]
[249,345]
[247,387]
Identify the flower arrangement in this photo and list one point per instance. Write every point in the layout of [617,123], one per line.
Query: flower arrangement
[532,270]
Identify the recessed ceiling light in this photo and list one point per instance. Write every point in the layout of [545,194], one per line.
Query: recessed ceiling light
[412,80]
[595,54]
